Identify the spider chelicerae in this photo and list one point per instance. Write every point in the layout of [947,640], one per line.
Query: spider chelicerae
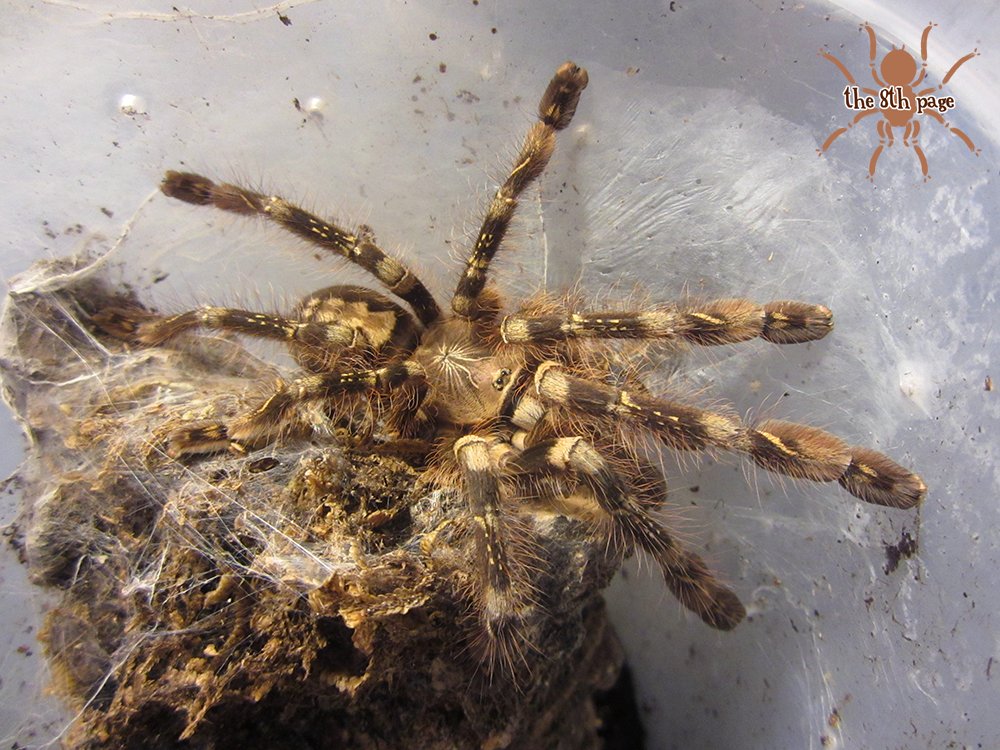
[530,401]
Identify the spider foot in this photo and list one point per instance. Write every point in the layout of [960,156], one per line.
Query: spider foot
[696,588]
[124,323]
[792,322]
[198,439]
[503,645]
[188,187]
[876,478]
[559,101]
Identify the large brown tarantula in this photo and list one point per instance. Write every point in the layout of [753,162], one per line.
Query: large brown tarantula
[518,402]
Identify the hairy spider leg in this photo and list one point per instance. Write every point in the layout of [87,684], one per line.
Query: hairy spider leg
[788,448]
[328,324]
[685,573]
[555,111]
[264,423]
[628,510]
[502,591]
[722,321]
[357,247]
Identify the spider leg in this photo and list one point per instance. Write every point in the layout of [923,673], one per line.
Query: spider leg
[839,65]
[951,72]
[139,326]
[265,422]
[954,68]
[923,41]
[502,589]
[328,323]
[890,138]
[795,450]
[923,54]
[723,321]
[872,48]
[873,163]
[356,247]
[912,134]
[961,134]
[685,573]
[840,131]
[555,111]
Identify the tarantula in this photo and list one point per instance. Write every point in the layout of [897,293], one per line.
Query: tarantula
[512,402]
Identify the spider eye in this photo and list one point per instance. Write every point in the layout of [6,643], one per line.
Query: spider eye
[501,380]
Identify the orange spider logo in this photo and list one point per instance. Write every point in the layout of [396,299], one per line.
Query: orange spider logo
[896,99]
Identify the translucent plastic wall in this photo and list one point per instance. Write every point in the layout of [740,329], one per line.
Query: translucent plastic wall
[691,169]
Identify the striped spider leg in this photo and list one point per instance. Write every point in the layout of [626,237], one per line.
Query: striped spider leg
[503,590]
[340,336]
[627,495]
[356,246]
[555,111]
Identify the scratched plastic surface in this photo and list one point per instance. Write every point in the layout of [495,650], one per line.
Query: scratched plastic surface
[691,166]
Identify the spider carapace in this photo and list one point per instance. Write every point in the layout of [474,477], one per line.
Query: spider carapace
[513,403]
